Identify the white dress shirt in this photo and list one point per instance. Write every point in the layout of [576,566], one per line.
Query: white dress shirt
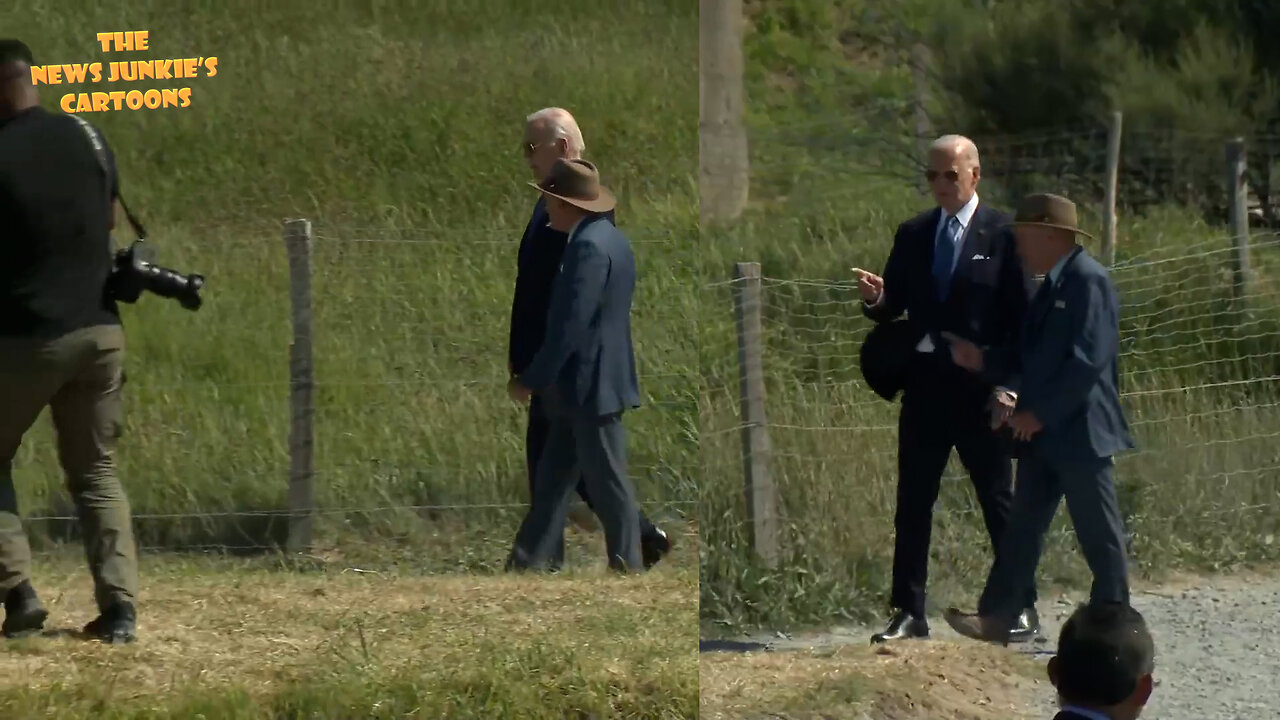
[965,216]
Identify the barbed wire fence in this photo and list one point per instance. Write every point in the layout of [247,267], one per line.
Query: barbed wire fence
[359,390]
[1200,352]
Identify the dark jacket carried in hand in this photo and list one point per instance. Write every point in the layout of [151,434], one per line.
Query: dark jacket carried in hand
[988,292]
[587,360]
[541,249]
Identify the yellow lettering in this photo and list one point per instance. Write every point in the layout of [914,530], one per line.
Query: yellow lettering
[185,95]
[65,103]
[211,64]
[75,73]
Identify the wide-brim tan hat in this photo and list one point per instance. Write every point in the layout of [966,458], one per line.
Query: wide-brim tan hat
[577,182]
[1048,210]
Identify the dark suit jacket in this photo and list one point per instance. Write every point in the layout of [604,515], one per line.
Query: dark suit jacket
[587,360]
[988,295]
[1069,373]
[541,248]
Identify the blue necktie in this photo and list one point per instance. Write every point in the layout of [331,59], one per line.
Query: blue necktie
[943,252]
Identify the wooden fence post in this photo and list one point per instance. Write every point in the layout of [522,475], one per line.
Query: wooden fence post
[723,160]
[1113,176]
[761,495]
[297,240]
[1238,209]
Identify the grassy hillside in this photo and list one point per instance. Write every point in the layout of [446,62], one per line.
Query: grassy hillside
[395,127]
[835,169]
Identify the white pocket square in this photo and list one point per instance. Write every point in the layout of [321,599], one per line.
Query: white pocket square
[1059,303]
[978,257]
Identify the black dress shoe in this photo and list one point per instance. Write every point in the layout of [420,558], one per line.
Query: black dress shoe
[903,625]
[1027,627]
[654,547]
[23,613]
[117,624]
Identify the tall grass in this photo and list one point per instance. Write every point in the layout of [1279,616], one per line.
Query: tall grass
[396,128]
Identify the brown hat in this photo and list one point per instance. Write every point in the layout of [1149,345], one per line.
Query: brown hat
[1048,210]
[577,182]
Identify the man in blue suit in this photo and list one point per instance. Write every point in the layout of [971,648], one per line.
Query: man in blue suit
[1067,418]
[551,134]
[584,374]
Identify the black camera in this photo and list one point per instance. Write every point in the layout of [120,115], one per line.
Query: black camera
[135,270]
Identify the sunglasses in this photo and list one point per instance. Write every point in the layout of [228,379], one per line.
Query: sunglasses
[530,148]
[950,175]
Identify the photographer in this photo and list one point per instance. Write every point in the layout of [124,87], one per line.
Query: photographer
[61,343]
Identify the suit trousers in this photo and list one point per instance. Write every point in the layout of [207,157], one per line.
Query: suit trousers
[79,376]
[588,453]
[944,409]
[1089,487]
[535,437]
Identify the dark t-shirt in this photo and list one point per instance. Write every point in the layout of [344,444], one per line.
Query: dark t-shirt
[55,217]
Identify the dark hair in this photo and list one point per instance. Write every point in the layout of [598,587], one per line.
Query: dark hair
[1103,650]
[12,50]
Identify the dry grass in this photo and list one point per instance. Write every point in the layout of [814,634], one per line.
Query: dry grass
[242,639]
[917,680]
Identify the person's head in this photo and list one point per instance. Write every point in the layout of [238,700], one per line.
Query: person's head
[953,171]
[551,134]
[573,191]
[17,92]
[1045,229]
[1105,660]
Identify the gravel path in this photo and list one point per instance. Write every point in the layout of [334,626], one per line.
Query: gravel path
[1217,646]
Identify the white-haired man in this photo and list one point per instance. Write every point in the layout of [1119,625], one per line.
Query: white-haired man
[954,271]
[551,134]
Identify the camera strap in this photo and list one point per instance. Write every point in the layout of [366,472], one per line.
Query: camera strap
[99,150]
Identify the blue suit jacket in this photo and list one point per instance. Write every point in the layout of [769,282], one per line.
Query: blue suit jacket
[1069,372]
[541,249]
[587,360]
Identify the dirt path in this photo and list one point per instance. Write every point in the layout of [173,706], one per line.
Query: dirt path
[1217,651]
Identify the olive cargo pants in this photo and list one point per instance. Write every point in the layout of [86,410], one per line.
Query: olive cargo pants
[78,376]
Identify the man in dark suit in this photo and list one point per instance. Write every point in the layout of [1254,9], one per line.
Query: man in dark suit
[1068,416]
[952,269]
[585,374]
[1103,667]
[551,134]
